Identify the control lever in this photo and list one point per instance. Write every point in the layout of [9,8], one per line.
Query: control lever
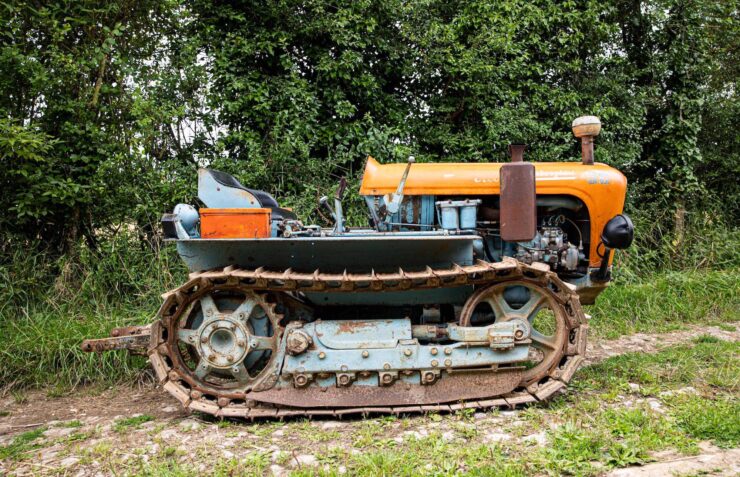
[392,202]
[336,213]
[341,189]
[339,213]
[324,202]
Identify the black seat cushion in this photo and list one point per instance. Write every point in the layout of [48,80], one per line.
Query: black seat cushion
[265,199]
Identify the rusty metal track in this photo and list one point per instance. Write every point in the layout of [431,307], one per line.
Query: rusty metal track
[261,403]
[132,338]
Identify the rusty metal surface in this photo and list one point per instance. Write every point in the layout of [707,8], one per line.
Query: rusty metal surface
[518,198]
[452,388]
[131,338]
[317,281]
[539,298]
[587,150]
[235,403]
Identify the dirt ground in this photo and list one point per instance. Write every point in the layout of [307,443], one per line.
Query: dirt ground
[166,427]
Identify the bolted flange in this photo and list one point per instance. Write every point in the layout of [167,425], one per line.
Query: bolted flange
[223,342]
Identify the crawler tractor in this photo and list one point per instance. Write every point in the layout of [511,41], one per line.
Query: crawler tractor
[464,291]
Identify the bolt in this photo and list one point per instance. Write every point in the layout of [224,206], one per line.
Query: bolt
[343,379]
[173,376]
[387,378]
[407,352]
[448,362]
[448,351]
[298,342]
[429,376]
[223,402]
[241,343]
[301,380]
[322,355]
[204,340]
[365,354]
[344,367]
[387,366]
[434,351]
[435,363]
[211,357]
[518,334]
[230,359]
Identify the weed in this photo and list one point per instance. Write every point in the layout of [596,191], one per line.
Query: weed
[715,420]
[21,444]
[75,423]
[667,301]
[19,397]
[708,363]
[122,425]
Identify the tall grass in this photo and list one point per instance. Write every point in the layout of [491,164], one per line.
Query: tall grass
[48,305]
[707,242]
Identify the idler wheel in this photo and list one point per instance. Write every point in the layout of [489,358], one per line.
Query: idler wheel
[529,301]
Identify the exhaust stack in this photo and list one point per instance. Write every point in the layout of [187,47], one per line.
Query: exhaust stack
[586,128]
[518,198]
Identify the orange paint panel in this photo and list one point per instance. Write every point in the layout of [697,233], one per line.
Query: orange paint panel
[601,188]
[235,223]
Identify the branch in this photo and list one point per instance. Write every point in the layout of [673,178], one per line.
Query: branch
[99,81]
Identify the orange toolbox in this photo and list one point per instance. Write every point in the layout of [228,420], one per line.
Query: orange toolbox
[234,223]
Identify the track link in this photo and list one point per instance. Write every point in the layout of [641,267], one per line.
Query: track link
[482,274]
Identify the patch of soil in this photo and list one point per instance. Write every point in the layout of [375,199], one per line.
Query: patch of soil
[37,409]
[650,343]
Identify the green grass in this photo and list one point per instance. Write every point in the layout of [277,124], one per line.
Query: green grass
[49,306]
[667,301]
[717,420]
[21,444]
[122,425]
[707,363]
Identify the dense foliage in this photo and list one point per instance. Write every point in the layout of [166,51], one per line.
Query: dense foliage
[107,108]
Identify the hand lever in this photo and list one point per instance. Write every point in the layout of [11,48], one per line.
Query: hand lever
[324,202]
[341,189]
[393,202]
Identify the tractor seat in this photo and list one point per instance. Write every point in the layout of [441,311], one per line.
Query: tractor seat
[264,199]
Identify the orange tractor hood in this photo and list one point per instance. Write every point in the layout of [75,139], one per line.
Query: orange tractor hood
[601,188]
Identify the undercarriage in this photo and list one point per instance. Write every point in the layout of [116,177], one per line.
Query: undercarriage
[221,345]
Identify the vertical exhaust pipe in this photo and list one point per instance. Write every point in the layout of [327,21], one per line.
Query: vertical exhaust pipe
[586,128]
[518,197]
[516,151]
